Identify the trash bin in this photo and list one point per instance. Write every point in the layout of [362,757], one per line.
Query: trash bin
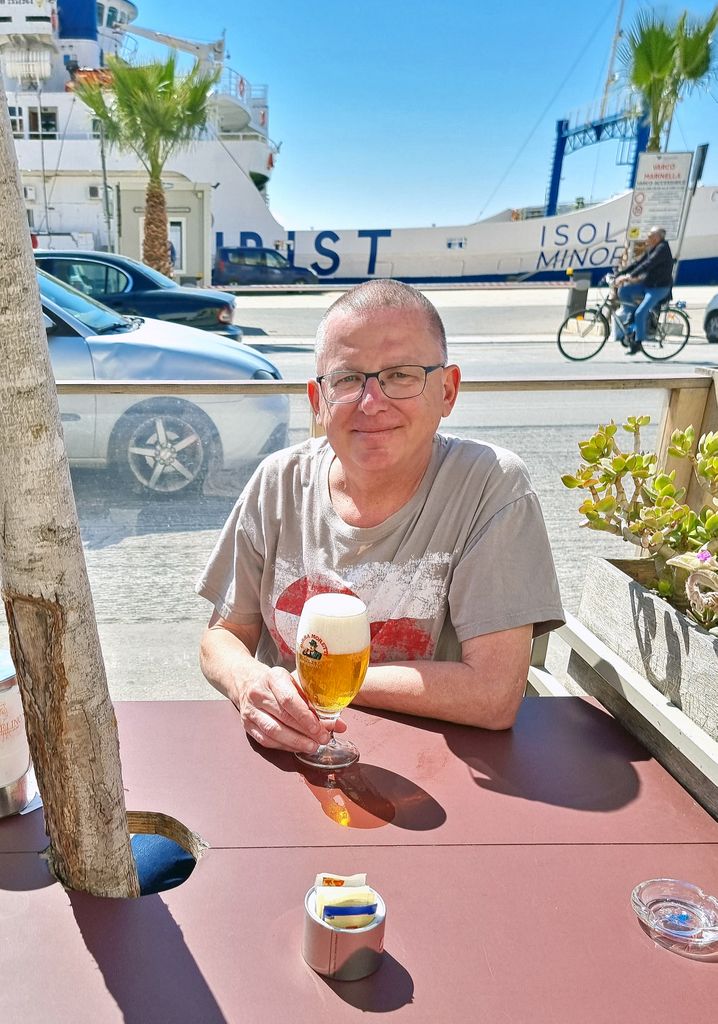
[578,293]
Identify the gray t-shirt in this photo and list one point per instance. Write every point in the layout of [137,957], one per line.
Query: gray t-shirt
[467,555]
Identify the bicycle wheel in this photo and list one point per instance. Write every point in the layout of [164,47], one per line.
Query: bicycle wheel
[583,335]
[670,336]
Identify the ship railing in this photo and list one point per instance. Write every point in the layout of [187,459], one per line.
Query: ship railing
[233,83]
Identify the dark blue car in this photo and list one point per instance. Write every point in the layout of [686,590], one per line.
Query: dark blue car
[251,264]
[134,289]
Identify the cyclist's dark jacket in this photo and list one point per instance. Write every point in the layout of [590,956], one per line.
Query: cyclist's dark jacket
[655,269]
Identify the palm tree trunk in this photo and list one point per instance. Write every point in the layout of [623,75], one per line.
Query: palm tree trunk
[53,634]
[156,251]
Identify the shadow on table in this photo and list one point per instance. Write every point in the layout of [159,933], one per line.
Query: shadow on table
[560,751]
[144,960]
[367,796]
[23,872]
[23,832]
[364,795]
[389,989]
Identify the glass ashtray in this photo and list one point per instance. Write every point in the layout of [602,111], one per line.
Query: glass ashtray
[678,912]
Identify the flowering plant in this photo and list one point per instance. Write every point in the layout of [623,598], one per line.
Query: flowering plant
[631,496]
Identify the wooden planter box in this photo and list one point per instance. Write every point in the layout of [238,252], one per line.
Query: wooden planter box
[671,652]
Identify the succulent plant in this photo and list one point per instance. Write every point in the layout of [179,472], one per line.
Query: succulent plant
[631,496]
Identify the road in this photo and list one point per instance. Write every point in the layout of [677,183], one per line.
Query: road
[481,313]
[143,557]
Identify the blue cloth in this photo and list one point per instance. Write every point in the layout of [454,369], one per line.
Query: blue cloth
[161,863]
[638,301]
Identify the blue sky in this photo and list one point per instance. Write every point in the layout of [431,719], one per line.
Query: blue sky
[394,113]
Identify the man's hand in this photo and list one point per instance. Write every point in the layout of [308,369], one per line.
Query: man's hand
[273,709]
[276,714]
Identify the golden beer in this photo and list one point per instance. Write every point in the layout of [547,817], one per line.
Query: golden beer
[332,651]
[333,681]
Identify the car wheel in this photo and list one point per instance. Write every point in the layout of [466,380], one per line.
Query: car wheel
[712,327]
[163,448]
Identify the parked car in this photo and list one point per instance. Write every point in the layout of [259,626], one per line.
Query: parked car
[253,265]
[134,289]
[158,445]
[710,320]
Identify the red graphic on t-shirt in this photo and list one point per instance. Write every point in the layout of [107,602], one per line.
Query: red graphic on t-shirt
[292,599]
[400,640]
[391,640]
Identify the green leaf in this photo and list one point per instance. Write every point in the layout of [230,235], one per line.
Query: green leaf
[589,451]
[596,523]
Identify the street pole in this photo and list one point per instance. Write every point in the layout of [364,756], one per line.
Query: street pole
[105,190]
[699,159]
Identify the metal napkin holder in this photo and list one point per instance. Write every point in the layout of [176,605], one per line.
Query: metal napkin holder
[343,954]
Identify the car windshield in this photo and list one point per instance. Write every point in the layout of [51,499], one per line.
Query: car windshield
[98,318]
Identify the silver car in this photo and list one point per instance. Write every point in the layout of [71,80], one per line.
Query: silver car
[710,320]
[159,445]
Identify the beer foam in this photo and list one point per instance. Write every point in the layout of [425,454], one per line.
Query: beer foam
[339,619]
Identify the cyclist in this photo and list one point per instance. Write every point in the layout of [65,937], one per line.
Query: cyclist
[642,286]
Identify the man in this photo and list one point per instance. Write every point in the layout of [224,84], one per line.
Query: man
[442,539]
[642,286]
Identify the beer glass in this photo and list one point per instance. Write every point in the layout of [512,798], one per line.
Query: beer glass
[332,657]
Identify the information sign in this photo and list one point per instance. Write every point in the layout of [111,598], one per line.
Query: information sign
[659,194]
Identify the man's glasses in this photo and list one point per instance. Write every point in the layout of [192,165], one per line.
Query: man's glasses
[340,387]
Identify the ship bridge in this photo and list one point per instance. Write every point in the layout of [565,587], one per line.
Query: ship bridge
[238,106]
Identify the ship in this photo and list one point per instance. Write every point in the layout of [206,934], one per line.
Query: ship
[79,193]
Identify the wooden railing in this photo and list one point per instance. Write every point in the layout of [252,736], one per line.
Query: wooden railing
[691,396]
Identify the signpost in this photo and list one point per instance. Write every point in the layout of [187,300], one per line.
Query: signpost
[659,195]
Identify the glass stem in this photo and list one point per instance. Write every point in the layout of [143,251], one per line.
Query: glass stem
[329,724]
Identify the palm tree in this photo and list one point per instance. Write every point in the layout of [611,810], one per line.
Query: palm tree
[665,61]
[151,111]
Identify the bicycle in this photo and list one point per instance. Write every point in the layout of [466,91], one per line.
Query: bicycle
[582,335]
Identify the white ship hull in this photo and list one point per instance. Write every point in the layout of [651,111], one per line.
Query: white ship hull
[590,240]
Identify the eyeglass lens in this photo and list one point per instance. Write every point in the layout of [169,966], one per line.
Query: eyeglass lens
[395,382]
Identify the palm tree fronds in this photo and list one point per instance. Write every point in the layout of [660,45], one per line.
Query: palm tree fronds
[664,61]
[152,111]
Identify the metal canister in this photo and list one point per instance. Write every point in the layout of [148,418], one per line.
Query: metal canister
[344,954]
[16,785]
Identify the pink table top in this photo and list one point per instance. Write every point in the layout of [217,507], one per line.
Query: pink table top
[543,934]
[506,861]
[566,773]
